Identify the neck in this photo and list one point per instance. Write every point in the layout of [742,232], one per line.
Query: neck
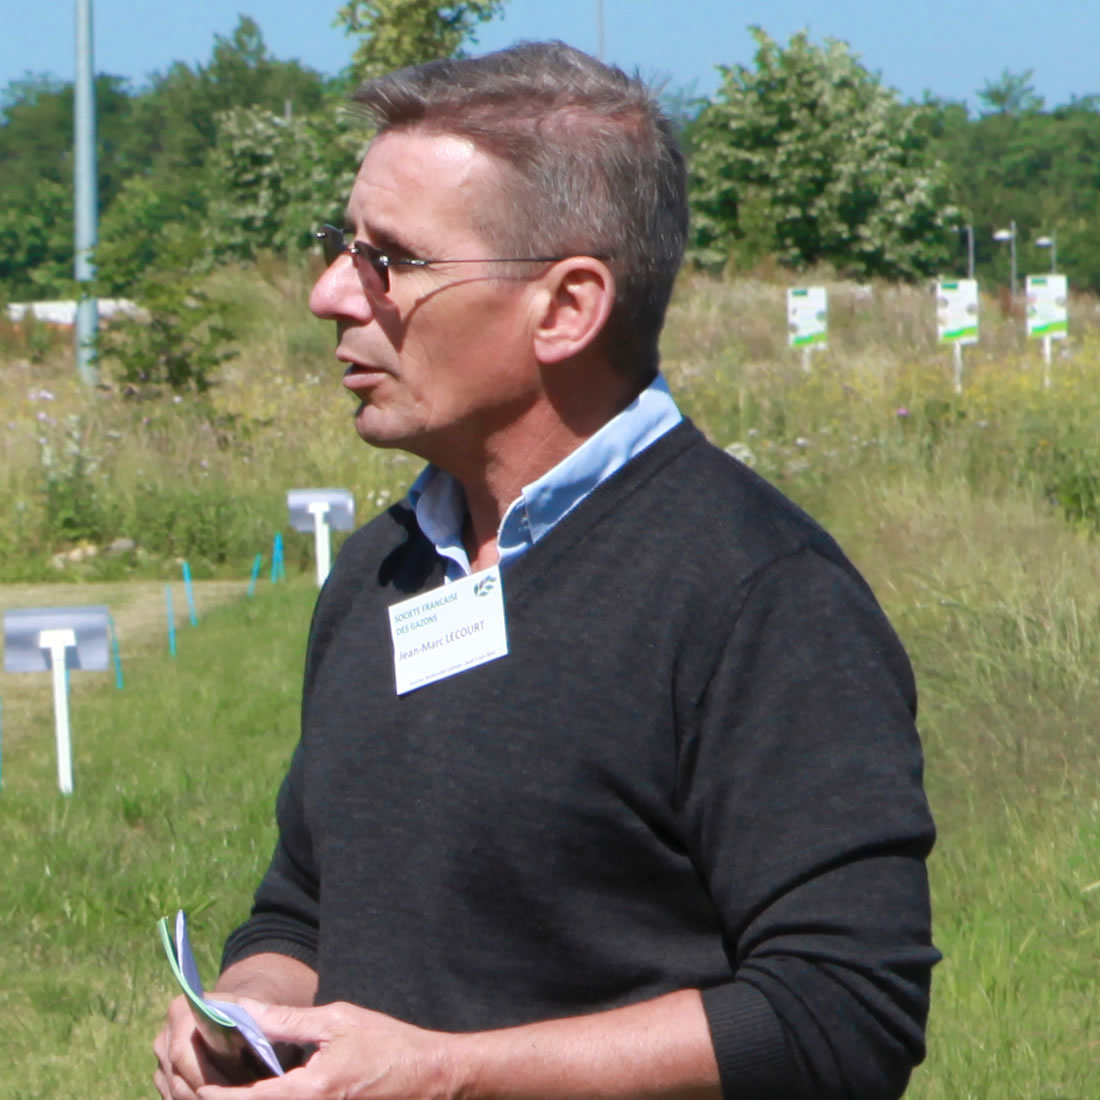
[528,447]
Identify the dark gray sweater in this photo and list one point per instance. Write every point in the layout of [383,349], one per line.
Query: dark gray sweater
[697,767]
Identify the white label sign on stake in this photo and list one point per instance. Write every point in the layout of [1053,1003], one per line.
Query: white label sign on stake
[448,630]
[808,317]
[55,639]
[957,311]
[321,511]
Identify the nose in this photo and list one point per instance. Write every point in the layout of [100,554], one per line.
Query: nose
[339,295]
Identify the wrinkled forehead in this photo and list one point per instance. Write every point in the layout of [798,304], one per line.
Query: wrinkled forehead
[409,177]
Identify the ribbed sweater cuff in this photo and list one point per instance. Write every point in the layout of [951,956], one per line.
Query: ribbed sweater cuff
[749,1044]
[245,942]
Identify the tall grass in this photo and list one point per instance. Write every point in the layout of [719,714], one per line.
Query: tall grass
[971,514]
[205,478]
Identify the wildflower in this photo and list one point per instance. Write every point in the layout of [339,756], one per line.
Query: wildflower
[901,411]
[742,452]
[41,395]
[44,416]
[802,442]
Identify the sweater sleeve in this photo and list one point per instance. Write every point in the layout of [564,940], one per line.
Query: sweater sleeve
[803,801]
[284,916]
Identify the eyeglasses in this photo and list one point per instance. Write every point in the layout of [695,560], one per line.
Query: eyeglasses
[334,243]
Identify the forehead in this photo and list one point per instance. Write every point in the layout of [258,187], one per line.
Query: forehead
[416,188]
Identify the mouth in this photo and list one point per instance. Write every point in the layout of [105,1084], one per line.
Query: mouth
[359,376]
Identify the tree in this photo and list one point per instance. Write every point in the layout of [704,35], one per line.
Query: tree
[1038,168]
[807,157]
[274,179]
[1011,94]
[36,242]
[159,136]
[396,33]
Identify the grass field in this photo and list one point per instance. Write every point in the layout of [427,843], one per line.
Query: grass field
[972,516]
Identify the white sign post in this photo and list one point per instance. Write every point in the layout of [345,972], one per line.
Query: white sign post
[1047,313]
[808,320]
[321,511]
[957,318]
[322,542]
[57,639]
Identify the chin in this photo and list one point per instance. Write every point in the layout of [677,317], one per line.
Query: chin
[373,429]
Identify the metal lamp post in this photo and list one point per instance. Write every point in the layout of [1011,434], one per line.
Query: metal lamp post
[969,231]
[1050,242]
[86,201]
[1010,236]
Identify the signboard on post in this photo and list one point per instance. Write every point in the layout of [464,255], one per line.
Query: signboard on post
[321,511]
[807,319]
[1047,312]
[957,318]
[56,639]
[957,311]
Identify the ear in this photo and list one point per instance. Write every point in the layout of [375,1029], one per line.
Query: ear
[573,302]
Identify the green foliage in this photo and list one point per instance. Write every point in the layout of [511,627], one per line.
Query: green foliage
[185,335]
[396,33]
[151,142]
[806,156]
[1011,94]
[180,345]
[273,180]
[73,510]
[36,242]
[1038,168]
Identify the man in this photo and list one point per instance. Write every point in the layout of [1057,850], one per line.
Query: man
[643,816]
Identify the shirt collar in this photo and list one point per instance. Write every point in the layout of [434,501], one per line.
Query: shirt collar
[440,507]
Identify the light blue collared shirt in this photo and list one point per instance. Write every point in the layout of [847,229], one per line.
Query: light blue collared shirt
[440,504]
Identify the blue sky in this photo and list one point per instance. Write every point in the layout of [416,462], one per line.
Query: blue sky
[950,47]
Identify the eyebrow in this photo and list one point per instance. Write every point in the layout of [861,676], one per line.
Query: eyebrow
[380,238]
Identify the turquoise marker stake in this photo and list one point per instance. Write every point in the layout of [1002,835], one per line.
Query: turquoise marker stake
[115,654]
[171,620]
[190,594]
[257,562]
[278,569]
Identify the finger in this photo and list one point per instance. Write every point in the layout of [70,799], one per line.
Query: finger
[171,1086]
[270,1088]
[286,1024]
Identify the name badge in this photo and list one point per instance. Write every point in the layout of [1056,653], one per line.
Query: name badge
[448,630]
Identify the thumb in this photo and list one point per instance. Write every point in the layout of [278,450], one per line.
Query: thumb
[284,1023]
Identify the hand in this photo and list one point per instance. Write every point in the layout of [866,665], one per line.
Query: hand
[185,1063]
[360,1054]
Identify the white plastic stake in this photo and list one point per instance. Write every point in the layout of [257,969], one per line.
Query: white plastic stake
[57,641]
[1048,349]
[321,546]
[957,350]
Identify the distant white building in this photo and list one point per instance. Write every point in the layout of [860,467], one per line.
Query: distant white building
[63,313]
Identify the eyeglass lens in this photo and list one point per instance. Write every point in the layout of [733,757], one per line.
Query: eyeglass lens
[334,244]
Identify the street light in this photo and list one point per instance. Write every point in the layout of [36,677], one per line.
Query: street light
[969,231]
[1010,236]
[1050,242]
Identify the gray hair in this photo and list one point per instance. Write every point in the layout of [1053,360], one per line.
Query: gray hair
[591,167]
